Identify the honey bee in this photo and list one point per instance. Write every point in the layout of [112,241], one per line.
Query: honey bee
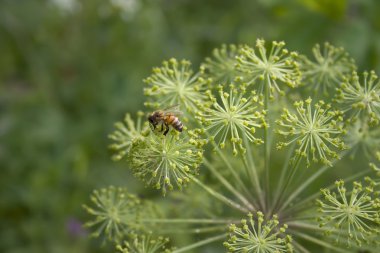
[165,118]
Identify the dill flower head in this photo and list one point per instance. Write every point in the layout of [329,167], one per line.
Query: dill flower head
[374,166]
[257,235]
[126,132]
[144,244]
[270,69]
[361,97]
[363,137]
[174,83]
[115,212]
[316,131]
[162,161]
[328,68]
[355,212]
[221,66]
[234,116]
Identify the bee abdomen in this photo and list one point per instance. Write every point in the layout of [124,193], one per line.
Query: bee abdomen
[177,125]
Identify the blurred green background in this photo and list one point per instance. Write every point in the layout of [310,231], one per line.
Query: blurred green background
[70,68]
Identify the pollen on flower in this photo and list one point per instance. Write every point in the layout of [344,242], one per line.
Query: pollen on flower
[163,162]
[316,131]
[126,132]
[326,72]
[144,243]
[360,97]
[272,70]
[356,212]
[258,235]
[115,212]
[233,117]
[175,83]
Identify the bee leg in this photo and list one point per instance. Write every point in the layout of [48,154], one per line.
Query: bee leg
[162,127]
[167,129]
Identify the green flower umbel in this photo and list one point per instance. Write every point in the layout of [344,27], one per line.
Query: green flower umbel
[115,211]
[356,213]
[361,97]
[258,236]
[221,67]
[233,117]
[162,161]
[327,70]
[144,244]
[363,137]
[175,84]
[316,130]
[126,132]
[270,69]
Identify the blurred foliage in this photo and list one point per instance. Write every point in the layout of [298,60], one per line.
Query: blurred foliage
[69,68]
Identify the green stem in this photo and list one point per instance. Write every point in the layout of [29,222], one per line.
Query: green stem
[255,183]
[186,221]
[284,170]
[299,247]
[266,151]
[306,183]
[303,225]
[318,241]
[251,170]
[299,206]
[220,197]
[288,182]
[200,243]
[232,170]
[193,230]
[229,186]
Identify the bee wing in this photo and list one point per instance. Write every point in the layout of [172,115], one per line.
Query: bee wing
[174,110]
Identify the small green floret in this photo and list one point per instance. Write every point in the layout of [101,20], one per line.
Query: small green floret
[315,129]
[328,68]
[233,117]
[360,97]
[175,83]
[144,243]
[271,70]
[221,66]
[126,132]
[115,212]
[165,161]
[355,212]
[257,235]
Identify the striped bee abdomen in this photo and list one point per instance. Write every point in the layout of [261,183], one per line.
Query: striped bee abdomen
[174,122]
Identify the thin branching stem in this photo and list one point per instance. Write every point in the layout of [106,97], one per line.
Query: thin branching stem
[220,197]
[266,152]
[231,188]
[307,182]
[318,241]
[200,243]
[232,170]
[302,205]
[252,172]
[288,182]
[186,221]
[256,186]
[200,230]
[280,182]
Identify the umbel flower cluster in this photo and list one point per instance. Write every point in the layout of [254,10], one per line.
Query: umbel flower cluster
[257,161]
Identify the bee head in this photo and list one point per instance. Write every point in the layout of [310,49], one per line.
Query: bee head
[151,119]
